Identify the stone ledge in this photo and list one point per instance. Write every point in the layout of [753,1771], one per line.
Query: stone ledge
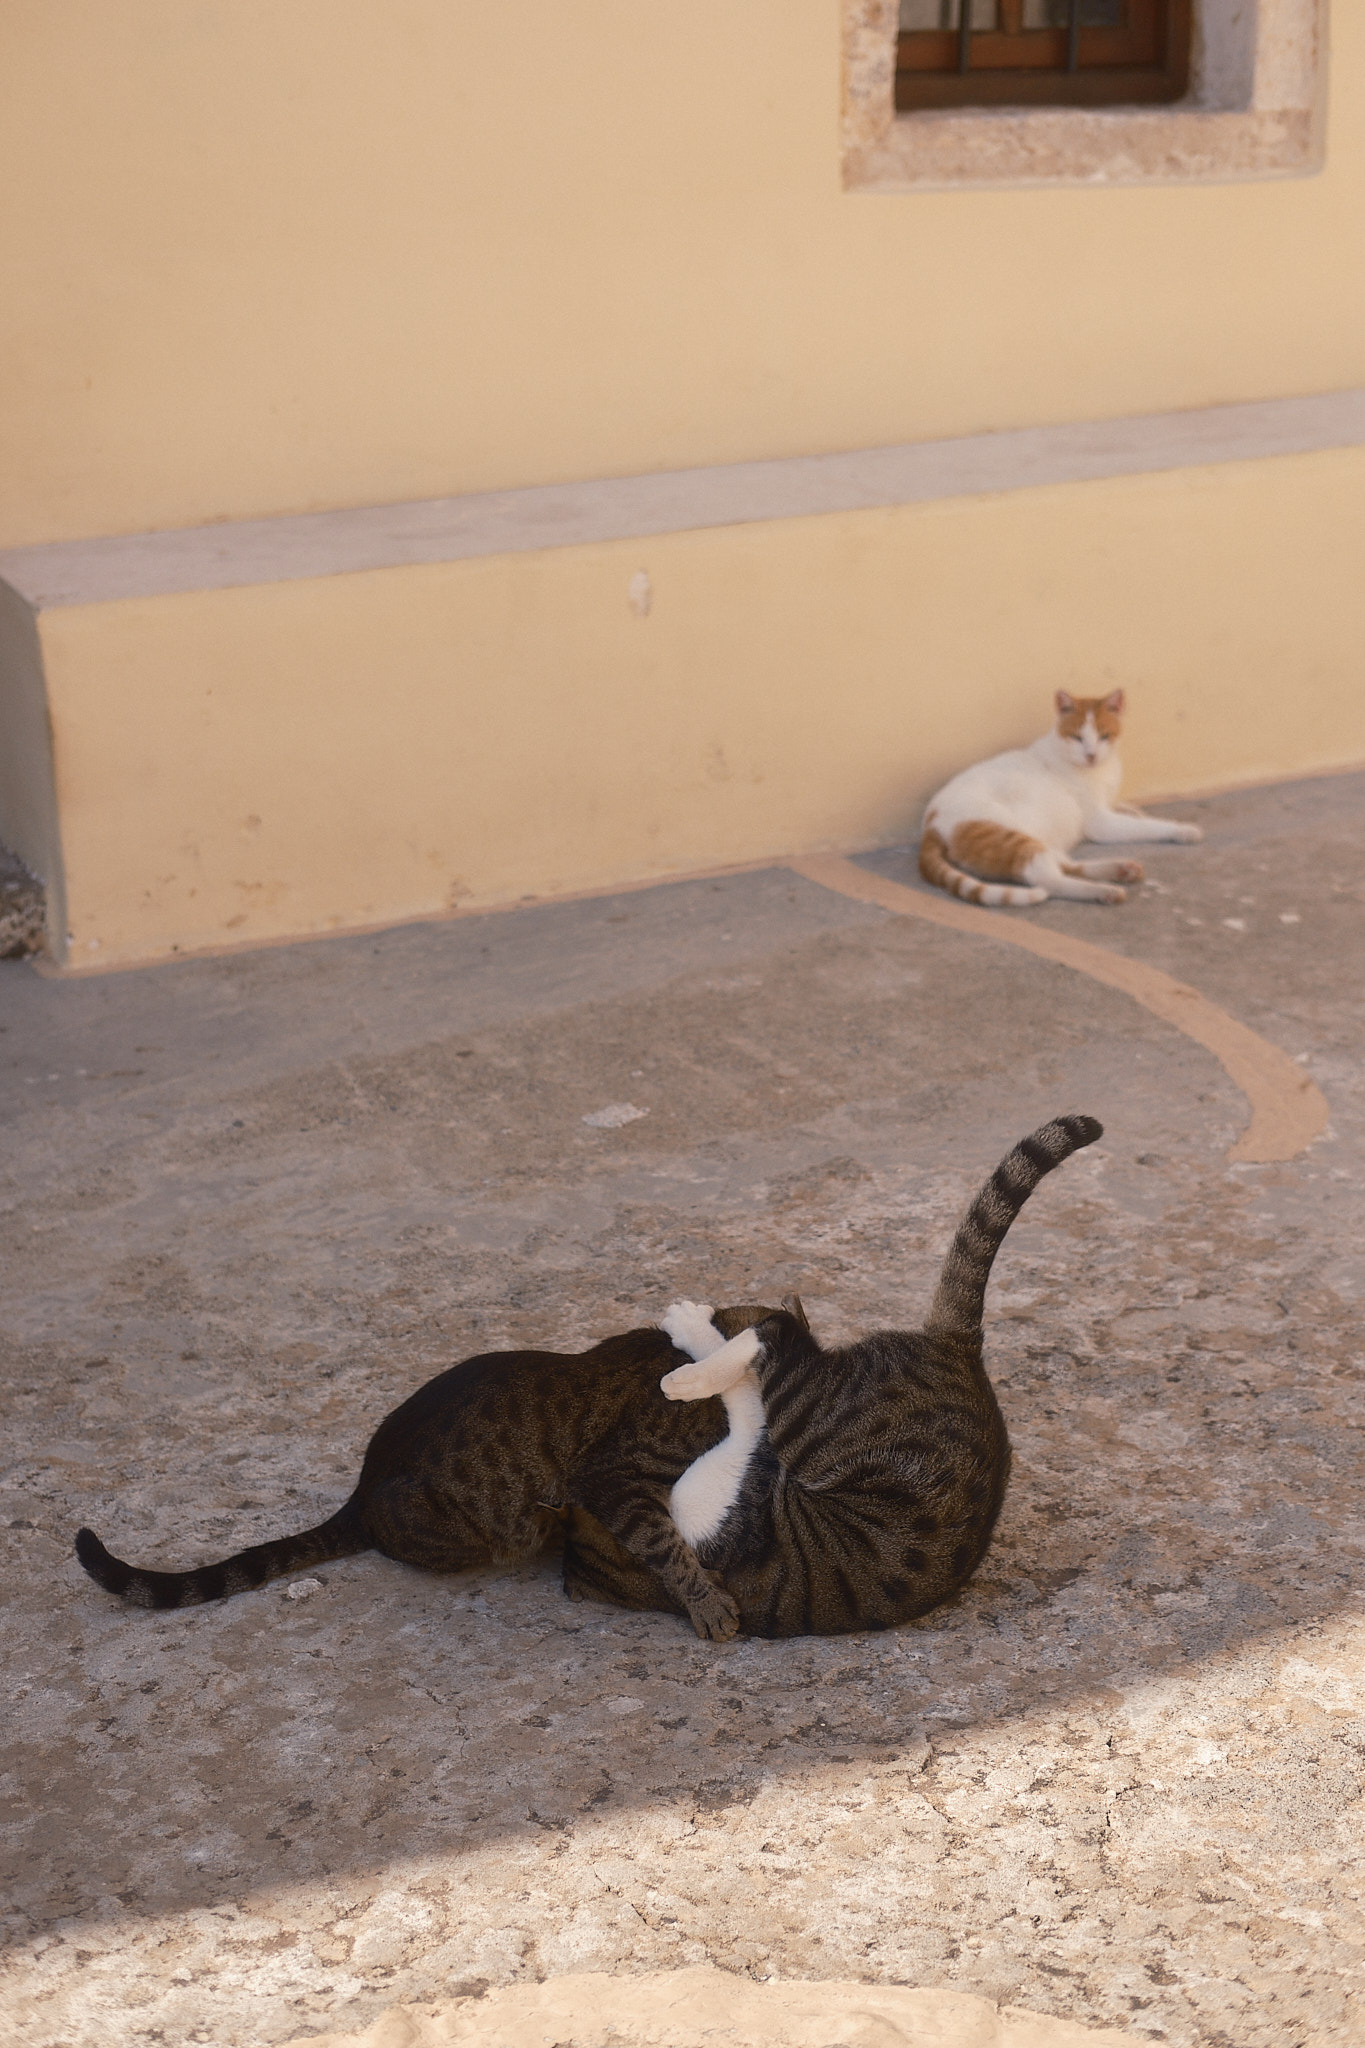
[711,2008]
[994,146]
[303,546]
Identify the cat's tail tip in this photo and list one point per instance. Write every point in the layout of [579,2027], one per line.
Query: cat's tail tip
[138,1588]
[1074,1130]
[1035,1156]
[110,1572]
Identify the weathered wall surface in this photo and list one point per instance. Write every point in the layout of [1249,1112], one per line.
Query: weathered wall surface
[244,764]
[264,259]
[270,258]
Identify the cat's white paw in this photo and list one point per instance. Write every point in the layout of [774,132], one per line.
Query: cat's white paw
[1187,834]
[695,1382]
[688,1324]
[716,1374]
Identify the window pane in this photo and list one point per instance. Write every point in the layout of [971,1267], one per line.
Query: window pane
[931,14]
[1057,14]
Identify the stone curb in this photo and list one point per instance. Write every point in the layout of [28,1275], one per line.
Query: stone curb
[1288,1111]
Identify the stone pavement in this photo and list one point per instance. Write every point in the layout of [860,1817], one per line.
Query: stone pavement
[251,1202]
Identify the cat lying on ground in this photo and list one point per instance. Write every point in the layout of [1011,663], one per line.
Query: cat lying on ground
[479,1467]
[858,1487]
[1015,818]
[853,1489]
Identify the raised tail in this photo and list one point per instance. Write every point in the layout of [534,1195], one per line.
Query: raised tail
[342,1536]
[961,1291]
[936,867]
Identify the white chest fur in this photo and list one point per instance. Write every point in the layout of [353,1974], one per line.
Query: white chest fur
[1037,790]
[709,1488]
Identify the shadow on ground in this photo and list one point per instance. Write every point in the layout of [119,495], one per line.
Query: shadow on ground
[250,1203]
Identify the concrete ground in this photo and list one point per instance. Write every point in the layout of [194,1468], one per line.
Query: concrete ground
[251,1202]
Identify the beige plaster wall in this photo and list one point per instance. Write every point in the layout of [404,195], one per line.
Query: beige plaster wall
[268,255]
[241,764]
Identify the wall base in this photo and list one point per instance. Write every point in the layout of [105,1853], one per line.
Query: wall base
[238,765]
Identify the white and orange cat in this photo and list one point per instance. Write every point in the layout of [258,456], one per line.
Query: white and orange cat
[1001,832]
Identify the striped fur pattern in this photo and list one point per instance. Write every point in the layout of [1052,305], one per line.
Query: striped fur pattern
[486,1463]
[1002,832]
[872,1495]
[338,1537]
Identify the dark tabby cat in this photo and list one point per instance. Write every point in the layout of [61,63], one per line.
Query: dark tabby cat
[870,1498]
[480,1465]
[875,1473]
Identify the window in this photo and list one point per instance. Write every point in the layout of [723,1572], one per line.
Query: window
[1254,105]
[1069,53]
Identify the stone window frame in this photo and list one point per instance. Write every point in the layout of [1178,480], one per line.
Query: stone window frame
[1255,109]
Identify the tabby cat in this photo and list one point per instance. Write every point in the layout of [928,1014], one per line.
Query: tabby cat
[874,1474]
[852,1489]
[1015,818]
[481,1465]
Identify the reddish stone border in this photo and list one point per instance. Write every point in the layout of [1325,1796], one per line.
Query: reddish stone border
[1288,1110]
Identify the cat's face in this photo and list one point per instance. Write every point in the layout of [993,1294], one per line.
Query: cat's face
[1088,727]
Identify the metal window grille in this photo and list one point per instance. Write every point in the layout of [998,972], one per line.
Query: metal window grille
[1071,53]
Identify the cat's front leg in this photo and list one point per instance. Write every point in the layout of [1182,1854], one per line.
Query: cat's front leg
[639,1520]
[1113,827]
[714,1615]
[714,1373]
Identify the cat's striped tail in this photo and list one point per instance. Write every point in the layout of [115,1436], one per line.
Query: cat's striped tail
[961,1291]
[342,1536]
[936,867]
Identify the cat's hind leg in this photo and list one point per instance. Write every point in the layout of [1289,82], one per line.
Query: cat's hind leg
[422,1524]
[1106,870]
[1068,878]
[597,1567]
[992,851]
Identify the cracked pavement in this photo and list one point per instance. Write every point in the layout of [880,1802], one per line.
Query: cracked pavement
[249,1203]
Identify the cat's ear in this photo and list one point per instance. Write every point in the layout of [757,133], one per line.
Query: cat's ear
[793,1305]
[1114,702]
[1065,704]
